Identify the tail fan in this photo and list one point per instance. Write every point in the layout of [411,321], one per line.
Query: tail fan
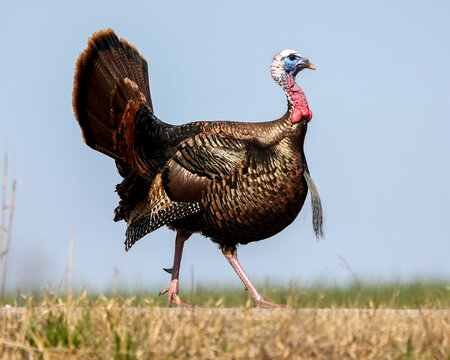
[110,86]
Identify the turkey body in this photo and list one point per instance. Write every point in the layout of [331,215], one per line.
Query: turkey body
[233,182]
[259,188]
[248,187]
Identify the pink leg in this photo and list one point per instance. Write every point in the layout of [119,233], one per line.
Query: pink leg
[231,255]
[172,289]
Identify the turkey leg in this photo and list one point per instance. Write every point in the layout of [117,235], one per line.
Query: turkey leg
[172,289]
[231,255]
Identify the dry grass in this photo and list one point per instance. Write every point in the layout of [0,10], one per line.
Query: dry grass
[109,328]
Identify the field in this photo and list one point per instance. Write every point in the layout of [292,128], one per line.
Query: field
[357,322]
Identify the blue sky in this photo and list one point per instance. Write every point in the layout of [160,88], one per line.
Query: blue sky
[377,146]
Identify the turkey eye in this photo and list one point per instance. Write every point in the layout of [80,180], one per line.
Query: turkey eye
[292,57]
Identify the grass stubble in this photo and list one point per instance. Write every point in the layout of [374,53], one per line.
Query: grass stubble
[379,324]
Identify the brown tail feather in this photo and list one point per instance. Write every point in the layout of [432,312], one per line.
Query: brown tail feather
[110,86]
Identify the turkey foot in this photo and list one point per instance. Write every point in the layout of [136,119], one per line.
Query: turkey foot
[172,289]
[267,304]
[258,301]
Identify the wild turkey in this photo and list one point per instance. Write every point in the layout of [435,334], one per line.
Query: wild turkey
[233,182]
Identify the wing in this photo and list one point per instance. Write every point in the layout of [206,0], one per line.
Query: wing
[199,161]
[177,190]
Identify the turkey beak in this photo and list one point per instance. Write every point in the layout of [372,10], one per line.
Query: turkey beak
[308,65]
[305,64]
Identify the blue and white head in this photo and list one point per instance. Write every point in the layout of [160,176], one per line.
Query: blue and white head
[288,63]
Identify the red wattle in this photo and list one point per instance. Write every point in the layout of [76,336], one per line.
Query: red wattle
[299,103]
[298,114]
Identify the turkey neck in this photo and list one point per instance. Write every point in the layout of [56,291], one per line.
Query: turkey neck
[295,95]
[294,123]
[296,99]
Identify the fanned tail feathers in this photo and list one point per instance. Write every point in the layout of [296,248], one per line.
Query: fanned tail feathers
[110,86]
